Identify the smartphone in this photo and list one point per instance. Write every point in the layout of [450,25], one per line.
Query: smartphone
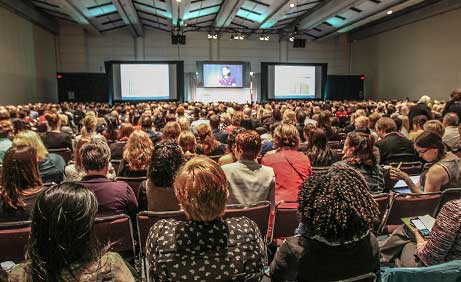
[420,226]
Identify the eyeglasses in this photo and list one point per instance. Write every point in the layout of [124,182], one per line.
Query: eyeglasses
[422,151]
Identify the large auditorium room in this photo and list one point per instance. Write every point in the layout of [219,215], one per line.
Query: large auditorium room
[230,140]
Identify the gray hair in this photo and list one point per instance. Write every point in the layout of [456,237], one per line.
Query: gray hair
[451,119]
[95,155]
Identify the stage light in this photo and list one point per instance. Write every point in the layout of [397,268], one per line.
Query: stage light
[179,1]
[212,36]
[266,38]
[232,37]
[251,73]
[292,5]
[215,36]
[389,12]
[362,77]
[59,76]
[292,38]
[261,37]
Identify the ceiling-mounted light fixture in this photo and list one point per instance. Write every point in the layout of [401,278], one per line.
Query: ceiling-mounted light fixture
[389,12]
[292,5]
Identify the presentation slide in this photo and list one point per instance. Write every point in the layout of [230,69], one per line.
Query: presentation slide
[295,82]
[144,82]
[221,75]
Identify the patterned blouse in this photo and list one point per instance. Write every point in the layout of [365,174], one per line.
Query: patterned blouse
[221,250]
[444,243]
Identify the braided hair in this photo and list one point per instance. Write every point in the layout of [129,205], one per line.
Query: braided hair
[337,205]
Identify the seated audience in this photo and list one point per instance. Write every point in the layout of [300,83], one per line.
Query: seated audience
[90,123]
[358,153]
[318,151]
[237,118]
[230,156]
[434,126]
[249,182]
[50,165]
[205,247]
[75,171]
[454,104]
[117,148]
[188,144]
[156,193]
[171,131]
[207,143]
[6,134]
[220,135]
[335,241]
[291,167]
[20,184]
[114,197]
[306,133]
[421,108]
[201,120]
[54,138]
[111,130]
[300,119]
[444,173]
[451,136]
[393,147]
[147,127]
[418,124]
[136,155]
[63,246]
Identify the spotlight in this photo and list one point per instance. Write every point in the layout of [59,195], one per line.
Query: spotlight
[240,37]
[261,37]
[251,73]
[232,37]
[292,5]
[266,38]
[215,36]
[292,38]
[389,12]
[212,36]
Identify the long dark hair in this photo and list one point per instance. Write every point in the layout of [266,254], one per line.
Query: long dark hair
[20,172]
[317,148]
[62,232]
[362,152]
[431,140]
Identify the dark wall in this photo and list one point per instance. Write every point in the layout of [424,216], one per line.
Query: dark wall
[84,87]
[344,87]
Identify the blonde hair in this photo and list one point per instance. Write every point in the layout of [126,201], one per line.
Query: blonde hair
[434,126]
[289,116]
[361,122]
[30,138]
[89,124]
[201,189]
[286,135]
[138,150]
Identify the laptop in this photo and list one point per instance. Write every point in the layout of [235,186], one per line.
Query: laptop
[402,187]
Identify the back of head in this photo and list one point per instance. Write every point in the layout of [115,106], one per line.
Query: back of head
[30,138]
[317,138]
[289,117]
[166,161]
[336,206]
[359,149]
[89,124]
[171,131]
[53,120]
[62,231]
[187,141]
[6,128]
[250,143]
[125,131]
[419,121]
[286,135]
[201,188]
[424,99]
[450,119]
[214,121]
[20,172]
[434,126]
[95,155]
[146,122]
[386,124]
[138,150]
[361,122]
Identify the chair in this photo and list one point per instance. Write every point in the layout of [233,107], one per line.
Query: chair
[215,158]
[403,157]
[447,195]
[340,153]
[115,164]
[134,183]
[116,230]
[13,240]
[335,145]
[285,219]
[65,153]
[258,212]
[408,206]
[369,277]
[320,169]
[446,272]
[383,202]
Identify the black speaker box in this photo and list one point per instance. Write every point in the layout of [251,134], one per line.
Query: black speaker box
[299,43]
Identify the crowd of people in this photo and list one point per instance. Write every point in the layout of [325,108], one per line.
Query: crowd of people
[328,156]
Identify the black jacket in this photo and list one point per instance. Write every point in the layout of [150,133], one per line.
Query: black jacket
[395,148]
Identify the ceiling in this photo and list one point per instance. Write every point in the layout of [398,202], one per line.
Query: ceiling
[310,19]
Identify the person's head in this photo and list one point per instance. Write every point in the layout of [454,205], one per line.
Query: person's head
[307,130]
[125,131]
[30,138]
[372,120]
[171,131]
[201,189]
[385,126]
[77,157]
[53,121]
[20,172]
[138,150]
[226,71]
[95,157]
[430,146]
[419,121]
[165,162]
[214,121]
[184,123]
[6,128]
[434,126]
[146,122]
[237,118]
[206,138]
[187,141]
[424,99]
[361,122]
[247,145]
[358,149]
[317,138]
[62,231]
[450,119]
[289,116]
[337,206]
[90,123]
[286,136]
[456,95]
[300,116]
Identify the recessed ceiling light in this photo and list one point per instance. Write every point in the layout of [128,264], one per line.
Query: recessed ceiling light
[292,5]
[179,1]
[389,12]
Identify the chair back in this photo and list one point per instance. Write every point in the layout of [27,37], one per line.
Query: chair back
[258,212]
[320,169]
[285,219]
[408,206]
[116,230]
[334,145]
[369,277]
[13,240]
[447,195]
[65,153]
[115,164]
[403,157]
[383,202]
[448,271]
[134,183]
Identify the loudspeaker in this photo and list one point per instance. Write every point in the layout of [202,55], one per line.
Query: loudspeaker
[178,39]
[299,43]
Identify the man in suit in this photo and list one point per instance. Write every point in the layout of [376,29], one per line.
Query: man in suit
[393,146]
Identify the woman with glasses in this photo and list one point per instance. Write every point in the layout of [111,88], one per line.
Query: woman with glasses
[444,172]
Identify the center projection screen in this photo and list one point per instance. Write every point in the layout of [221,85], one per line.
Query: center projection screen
[141,81]
[293,81]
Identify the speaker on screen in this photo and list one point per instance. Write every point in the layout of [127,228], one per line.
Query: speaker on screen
[299,43]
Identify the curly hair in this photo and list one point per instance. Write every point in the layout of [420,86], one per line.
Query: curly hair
[337,205]
[286,135]
[166,160]
[138,150]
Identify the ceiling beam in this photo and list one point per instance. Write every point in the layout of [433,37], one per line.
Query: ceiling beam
[28,11]
[326,11]
[178,11]
[279,12]
[77,11]
[130,17]
[227,12]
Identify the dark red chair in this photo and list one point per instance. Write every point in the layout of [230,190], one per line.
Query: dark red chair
[134,182]
[285,219]
[115,164]
[447,195]
[65,153]
[258,212]
[13,240]
[116,230]
[407,206]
